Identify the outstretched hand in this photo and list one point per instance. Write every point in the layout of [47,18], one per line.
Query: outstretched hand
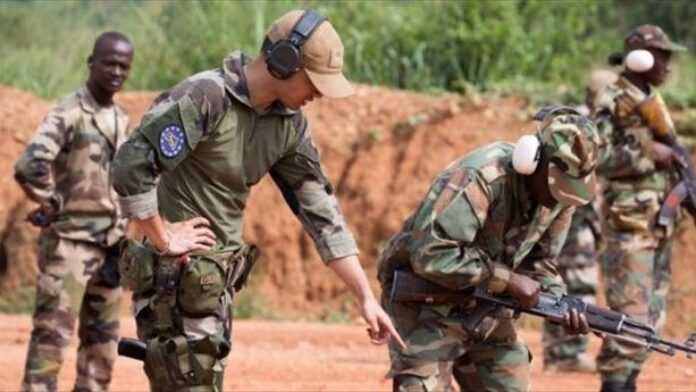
[380,327]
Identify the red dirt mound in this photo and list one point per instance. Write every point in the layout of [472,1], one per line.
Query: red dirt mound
[380,148]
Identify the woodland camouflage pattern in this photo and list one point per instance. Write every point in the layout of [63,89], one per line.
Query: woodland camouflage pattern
[578,267]
[67,163]
[476,223]
[208,146]
[636,262]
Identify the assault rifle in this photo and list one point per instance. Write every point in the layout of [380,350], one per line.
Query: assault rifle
[654,111]
[408,287]
[132,348]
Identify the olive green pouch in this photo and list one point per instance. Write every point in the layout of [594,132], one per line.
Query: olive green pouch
[634,211]
[201,286]
[136,266]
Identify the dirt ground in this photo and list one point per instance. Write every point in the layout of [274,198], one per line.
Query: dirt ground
[294,356]
[380,149]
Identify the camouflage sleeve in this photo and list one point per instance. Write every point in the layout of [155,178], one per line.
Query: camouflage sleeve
[446,227]
[625,156]
[166,136]
[543,259]
[621,155]
[34,169]
[309,194]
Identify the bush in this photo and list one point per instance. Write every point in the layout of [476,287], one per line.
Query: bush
[523,46]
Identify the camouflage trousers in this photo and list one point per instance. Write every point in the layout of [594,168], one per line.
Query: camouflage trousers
[637,274]
[440,353]
[578,267]
[76,280]
[187,328]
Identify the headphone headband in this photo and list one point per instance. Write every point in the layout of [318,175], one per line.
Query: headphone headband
[284,57]
[305,26]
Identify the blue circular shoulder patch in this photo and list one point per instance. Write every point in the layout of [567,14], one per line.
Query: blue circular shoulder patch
[171,141]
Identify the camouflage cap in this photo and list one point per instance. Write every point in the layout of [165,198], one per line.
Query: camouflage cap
[570,142]
[322,54]
[650,36]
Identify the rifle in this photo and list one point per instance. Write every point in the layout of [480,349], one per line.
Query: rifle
[408,287]
[654,111]
[132,348]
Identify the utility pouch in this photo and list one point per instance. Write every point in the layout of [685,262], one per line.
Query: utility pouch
[202,285]
[482,320]
[136,266]
[634,211]
[170,363]
[240,266]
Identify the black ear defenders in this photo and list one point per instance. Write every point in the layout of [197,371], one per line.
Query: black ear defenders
[284,57]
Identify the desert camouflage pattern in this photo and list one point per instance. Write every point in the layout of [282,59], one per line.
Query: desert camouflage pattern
[228,148]
[636,262]
[67,164]
[198,152]
[476,222]
[579,269]
[76,280]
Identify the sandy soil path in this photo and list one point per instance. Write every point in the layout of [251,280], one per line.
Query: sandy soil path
[294,356]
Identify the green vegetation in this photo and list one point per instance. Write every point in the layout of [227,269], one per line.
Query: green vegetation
[21,300]
[539,48]
[248,304]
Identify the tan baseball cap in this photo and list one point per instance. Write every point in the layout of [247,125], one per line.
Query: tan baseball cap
[322,55]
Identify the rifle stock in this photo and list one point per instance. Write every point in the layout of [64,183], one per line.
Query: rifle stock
[132,348]
[408,287]
[654,111]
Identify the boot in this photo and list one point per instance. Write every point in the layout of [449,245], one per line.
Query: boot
[613,386]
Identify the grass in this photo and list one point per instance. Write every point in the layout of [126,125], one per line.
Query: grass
[541,49]
[249,305]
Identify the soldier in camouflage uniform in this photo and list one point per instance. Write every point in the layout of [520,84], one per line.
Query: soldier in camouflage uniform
[207,141]
[577,265]
[65,168]
[483,223]
[639,173]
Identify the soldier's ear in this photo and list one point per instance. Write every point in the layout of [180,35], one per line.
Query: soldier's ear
[90,61]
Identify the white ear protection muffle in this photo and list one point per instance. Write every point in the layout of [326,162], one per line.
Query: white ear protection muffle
[525,157]
[639,60]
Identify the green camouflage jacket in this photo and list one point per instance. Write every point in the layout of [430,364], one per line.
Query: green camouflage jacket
[476,224]
[208,146]
[634,186]
[627,162]
[67,163]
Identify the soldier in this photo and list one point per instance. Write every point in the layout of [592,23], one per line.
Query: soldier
[65,168]
[208,140]
[495,218]
[639,173]
[577,265]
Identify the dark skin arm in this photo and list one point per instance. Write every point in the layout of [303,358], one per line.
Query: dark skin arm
[526,291]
